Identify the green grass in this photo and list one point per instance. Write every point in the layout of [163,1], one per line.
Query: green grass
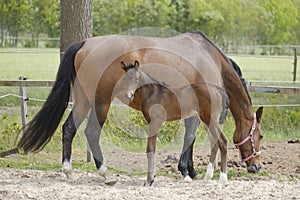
[267,68]
[34,64]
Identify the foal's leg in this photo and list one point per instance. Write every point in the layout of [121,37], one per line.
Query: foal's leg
[157,117]
[92,132]
[186,159]
[151,146]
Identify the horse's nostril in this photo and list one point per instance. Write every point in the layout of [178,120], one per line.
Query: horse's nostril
[254,168]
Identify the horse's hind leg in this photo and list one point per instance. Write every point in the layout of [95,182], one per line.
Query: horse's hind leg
[186,159]
[69,130]
[92,132]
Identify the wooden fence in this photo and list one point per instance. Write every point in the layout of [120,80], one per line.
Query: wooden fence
[23,83]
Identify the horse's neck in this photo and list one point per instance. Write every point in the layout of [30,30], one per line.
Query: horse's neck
[240,105]
[146,85]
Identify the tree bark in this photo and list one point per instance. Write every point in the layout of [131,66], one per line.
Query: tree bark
[75,21]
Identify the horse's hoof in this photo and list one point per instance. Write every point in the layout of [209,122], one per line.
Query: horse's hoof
[110,182]
[223,180]
[209,172]
[197,177]
[68,173]
[67,169]
[187,179]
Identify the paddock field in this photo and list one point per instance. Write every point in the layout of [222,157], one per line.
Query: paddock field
[279,177]
[38,176]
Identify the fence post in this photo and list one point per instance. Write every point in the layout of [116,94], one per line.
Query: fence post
[295,64]
[23,98]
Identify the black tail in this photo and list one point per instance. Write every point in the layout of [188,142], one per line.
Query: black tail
[42,127]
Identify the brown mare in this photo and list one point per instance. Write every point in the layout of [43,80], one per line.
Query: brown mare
[92,68]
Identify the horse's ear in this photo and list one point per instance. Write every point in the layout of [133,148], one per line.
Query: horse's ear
[136,64]
[123,66]
[259,113]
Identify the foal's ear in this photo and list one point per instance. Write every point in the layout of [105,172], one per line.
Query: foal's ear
[259,113]
[136,64]
[123,66]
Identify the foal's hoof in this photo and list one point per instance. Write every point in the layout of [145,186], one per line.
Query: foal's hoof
[148,184]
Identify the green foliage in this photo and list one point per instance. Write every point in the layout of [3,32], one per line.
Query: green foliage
[9,128]
[230,22]
[129,130]
[20,17]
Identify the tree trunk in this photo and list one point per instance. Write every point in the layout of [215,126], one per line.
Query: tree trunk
[75,21]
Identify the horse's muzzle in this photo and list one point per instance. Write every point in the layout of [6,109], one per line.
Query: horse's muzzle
[129,96]
[254,168]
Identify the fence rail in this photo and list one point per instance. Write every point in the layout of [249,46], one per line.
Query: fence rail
[23,83]
[26,83]
[275,89]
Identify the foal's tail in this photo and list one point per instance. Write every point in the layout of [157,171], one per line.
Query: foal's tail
[42,127]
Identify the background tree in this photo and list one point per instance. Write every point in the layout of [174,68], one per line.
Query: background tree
[230,23]
[75,21]
[14,19]
[41,16]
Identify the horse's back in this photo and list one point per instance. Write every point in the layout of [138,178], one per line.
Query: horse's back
[177,61]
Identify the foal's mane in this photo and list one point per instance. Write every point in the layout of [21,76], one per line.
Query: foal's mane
[229,60]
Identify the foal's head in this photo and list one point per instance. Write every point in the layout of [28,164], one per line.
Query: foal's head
[131,78]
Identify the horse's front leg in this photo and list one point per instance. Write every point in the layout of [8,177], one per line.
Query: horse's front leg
[92,132]
[213,135]
[217,140]
[223,149]
[186,159]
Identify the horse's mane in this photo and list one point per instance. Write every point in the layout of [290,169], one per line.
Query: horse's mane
[229,60]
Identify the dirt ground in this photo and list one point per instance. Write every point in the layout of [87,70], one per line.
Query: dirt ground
[281,179]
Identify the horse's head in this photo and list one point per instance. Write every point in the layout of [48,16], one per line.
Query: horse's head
[130,79]
[249,142]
